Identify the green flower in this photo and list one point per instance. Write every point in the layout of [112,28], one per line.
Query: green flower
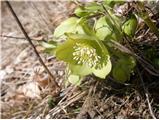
[83,52]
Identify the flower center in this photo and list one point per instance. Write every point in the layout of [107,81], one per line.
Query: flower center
[87,55]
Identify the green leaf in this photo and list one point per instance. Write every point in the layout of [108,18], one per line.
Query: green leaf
[80,36]
[88,30]
[129,27]
[69,25]
[123,68]
[81,70]
[103,72]
[74,79]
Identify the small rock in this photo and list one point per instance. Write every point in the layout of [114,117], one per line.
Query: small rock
[21,56]
[101,110]
[9,69]
[2,74]
[48,117]
[60,73]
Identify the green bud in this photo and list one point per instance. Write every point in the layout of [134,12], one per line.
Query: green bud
[111,3]
[123,68]
[51,102]
[80,12]
[129,27]
[120,74]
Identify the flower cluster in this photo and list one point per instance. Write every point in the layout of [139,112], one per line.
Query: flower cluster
[85,54]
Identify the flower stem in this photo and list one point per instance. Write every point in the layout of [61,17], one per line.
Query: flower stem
[144,15]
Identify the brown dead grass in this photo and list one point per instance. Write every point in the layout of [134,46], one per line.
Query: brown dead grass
[93,99]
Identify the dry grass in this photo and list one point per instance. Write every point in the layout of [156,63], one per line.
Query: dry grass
[93,99]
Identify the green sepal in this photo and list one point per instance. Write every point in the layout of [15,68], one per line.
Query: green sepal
[49,47]
[111,3]
[65,50]
[49,44]
[88,9]
[104,71]
[83,70]
[74,79]
[81,12]
[80,70]
[88,40]
[107,29]
[102,28]
[69,25]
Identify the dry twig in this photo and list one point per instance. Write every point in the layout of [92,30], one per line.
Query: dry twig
[147,96]
[61,106]
[15,37]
